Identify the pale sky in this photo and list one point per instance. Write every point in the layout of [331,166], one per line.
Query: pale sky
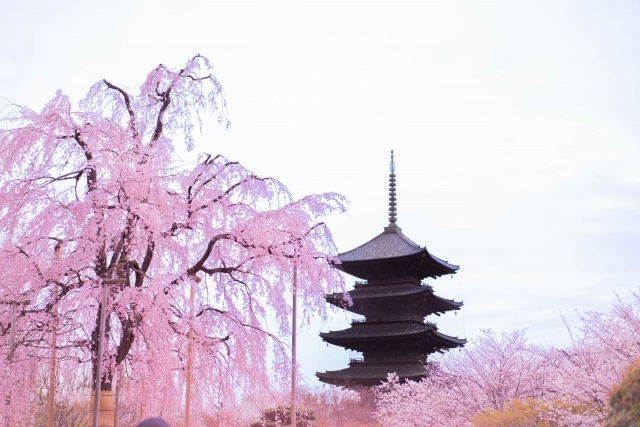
[514,125]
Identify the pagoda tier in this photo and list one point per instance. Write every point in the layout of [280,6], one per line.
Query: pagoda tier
[361,373]
[393,337]
[375,300]
[389,337]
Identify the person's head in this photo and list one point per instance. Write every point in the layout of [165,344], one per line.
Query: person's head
[152,422]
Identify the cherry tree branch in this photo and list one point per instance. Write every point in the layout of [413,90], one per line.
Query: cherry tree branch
[127,103]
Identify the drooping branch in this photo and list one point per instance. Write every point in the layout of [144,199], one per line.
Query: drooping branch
[50,179]
[219,270]
[91,172]
[198,266]
[166,100]
[127,103]
[146,262]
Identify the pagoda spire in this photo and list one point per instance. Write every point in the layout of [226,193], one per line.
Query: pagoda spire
[392,192]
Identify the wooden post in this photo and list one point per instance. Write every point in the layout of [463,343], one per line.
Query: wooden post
[100,355]
[52,367]
[12,334]
[116,397]
[12,331]
[294,373]
[187,405]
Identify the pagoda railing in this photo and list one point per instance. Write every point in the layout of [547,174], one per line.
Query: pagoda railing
[405,281]
[386,319]
[394,281]
[388,359]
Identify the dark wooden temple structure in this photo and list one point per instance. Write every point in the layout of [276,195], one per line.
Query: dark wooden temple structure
[393,337]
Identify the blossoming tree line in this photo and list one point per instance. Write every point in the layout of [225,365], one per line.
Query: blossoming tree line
[502,380]
[193,257]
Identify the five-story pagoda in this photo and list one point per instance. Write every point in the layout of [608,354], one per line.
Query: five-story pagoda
[393,337]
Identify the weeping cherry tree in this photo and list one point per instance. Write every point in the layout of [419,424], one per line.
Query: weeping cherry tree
[96,196]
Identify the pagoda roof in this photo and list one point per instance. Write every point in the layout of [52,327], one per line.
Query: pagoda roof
[368,292]
[390,245]
[370,374]
[384,331]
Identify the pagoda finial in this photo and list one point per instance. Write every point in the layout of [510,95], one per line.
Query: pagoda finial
[392,191]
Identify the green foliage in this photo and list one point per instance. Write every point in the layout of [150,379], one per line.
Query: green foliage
[517,413]
[272,417]
[534,413]
[67,414]
[624,402]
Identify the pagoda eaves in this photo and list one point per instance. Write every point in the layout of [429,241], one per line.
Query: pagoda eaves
[365,335]
[360,373]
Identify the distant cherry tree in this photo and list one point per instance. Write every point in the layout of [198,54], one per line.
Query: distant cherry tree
[602,346]
[488,373]
[499,378]
[97,196]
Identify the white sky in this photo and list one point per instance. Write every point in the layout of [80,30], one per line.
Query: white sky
[514,125]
